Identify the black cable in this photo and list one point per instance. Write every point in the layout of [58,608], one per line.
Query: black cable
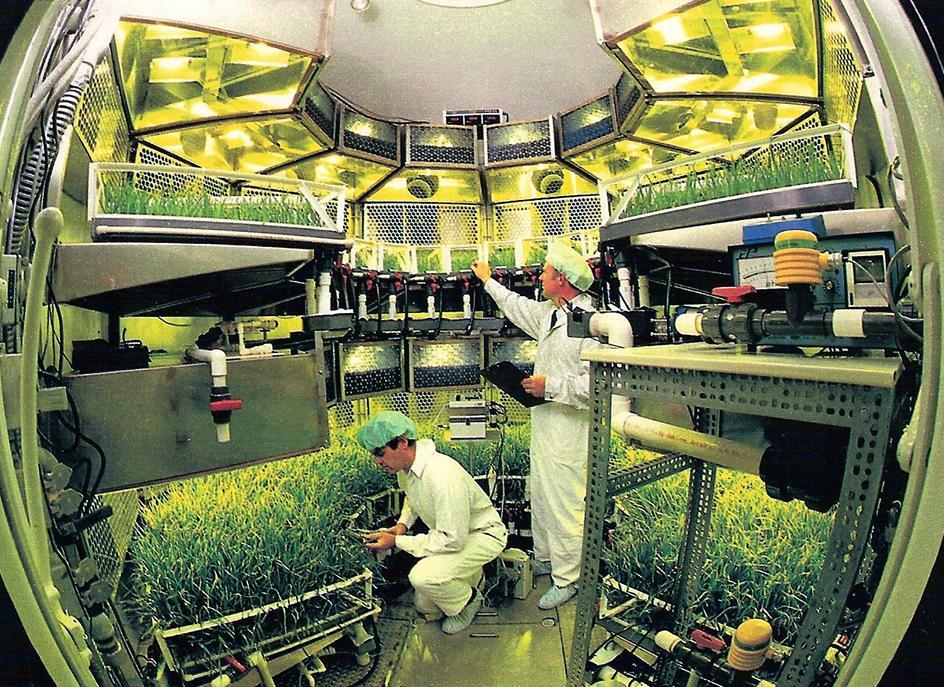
[442,301]
[171,324]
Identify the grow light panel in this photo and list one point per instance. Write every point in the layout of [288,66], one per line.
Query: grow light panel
[369,137]
[628,101]
[705,124]
[432,186]
[546,180]
[623,156]
[319,112]
[368,369]
[520,142]
[241,146]
[440,146]
[173,74]
[446,364]
[357,174]
[588,125]
[726,46]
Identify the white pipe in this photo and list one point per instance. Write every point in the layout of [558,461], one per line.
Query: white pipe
[392,306]
[217,360]
[466,306]
[362,306]
[431,306]
[662,435]
[625,277]
[644,299]
[311,304]
[324,292]
[244,350]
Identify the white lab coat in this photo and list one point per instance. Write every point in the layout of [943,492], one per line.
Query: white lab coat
[465,531]
[559,430]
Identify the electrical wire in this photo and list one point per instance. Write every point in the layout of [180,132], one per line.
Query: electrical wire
[904,321]
[171,324]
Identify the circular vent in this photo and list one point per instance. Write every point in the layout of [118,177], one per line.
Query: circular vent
[548,181]
[422,185]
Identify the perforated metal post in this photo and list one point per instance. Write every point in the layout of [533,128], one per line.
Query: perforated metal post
[594,514]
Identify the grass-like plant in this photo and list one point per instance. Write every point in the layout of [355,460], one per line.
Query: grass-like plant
[429,260]
[129,199]
[807,165]
[235,541]
[763,557]
[502,256]
[462,258]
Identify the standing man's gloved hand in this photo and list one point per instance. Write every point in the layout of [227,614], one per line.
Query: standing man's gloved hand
[482,270]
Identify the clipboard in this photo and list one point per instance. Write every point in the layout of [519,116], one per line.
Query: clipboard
[507,377]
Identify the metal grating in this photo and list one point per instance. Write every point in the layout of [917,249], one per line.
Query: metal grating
[369,136]
[448,146]
[109,539]
[628,95]
[546,217]
[174,183]
[446,364]
[519,142]
[100,119]
[423,223]
[320,107]
[368,369]
[842,77]
[587,124]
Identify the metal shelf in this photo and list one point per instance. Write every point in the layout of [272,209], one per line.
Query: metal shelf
[854,393]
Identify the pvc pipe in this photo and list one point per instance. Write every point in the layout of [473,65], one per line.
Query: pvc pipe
[244,350]
[466,306]
[311,304]
[662,435]
[644,299]
[625,277]
[324,292]
[49,223]
[217,360]
[431,306]
[362,306]
[392,306]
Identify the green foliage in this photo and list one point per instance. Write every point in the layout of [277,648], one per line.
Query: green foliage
[234,541]
[429,260]
[503,256]
[763,557]
[128,199]
[807,166]
[462,258]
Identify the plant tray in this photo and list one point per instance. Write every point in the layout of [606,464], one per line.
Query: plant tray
[200,651]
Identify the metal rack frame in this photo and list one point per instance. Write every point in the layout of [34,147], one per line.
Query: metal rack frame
[817,394]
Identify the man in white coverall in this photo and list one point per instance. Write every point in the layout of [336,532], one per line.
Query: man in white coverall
[559,429]
[465,531]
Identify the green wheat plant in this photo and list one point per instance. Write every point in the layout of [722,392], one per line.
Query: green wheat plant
[235,541]
[763,556]
[502,256]
[429,260]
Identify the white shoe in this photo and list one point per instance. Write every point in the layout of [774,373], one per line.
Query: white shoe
[461,620]
[555,596]
[541,568]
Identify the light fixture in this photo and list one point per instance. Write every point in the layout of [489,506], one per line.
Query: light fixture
[360,5]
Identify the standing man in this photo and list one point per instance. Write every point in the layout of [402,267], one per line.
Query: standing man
[465,531]
[559,429]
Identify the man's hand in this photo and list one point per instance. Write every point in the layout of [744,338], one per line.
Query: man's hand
[481,270]
[534,385]
[399,528]
[380,541]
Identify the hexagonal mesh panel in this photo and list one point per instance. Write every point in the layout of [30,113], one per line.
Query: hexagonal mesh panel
[546,217]
[321,108]
[628,94]
[587,123]
[440,145]
[842,76]
[174,183]
[374,137]
[370,368]
[109,540]
[445,364]
[423,223]
[100,120]
[519,142]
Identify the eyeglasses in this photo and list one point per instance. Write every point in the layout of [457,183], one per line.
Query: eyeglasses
[379,451]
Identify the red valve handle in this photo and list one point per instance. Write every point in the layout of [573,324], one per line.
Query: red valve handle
[229,404]
[703,641]
[734,294]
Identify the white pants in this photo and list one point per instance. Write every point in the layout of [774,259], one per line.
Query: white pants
[443,582]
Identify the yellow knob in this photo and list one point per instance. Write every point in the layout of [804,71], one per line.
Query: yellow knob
[750,644]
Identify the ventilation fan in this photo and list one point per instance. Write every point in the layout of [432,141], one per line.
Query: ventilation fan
[548,181]
[422,185]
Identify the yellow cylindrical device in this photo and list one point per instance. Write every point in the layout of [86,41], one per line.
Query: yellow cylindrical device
[797,259]
[750,644]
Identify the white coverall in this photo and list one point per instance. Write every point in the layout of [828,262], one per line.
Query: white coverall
[559,430]
[465,531]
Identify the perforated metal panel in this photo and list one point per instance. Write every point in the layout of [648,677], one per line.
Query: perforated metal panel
[587,125]
[369,137]
[628,101]
[521,142]
[446,363]
[175,183]
[842,77]
[320,109]
[100,119]
[546,217]
[441,146]
[109,539]
[369,369]
[423,223]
